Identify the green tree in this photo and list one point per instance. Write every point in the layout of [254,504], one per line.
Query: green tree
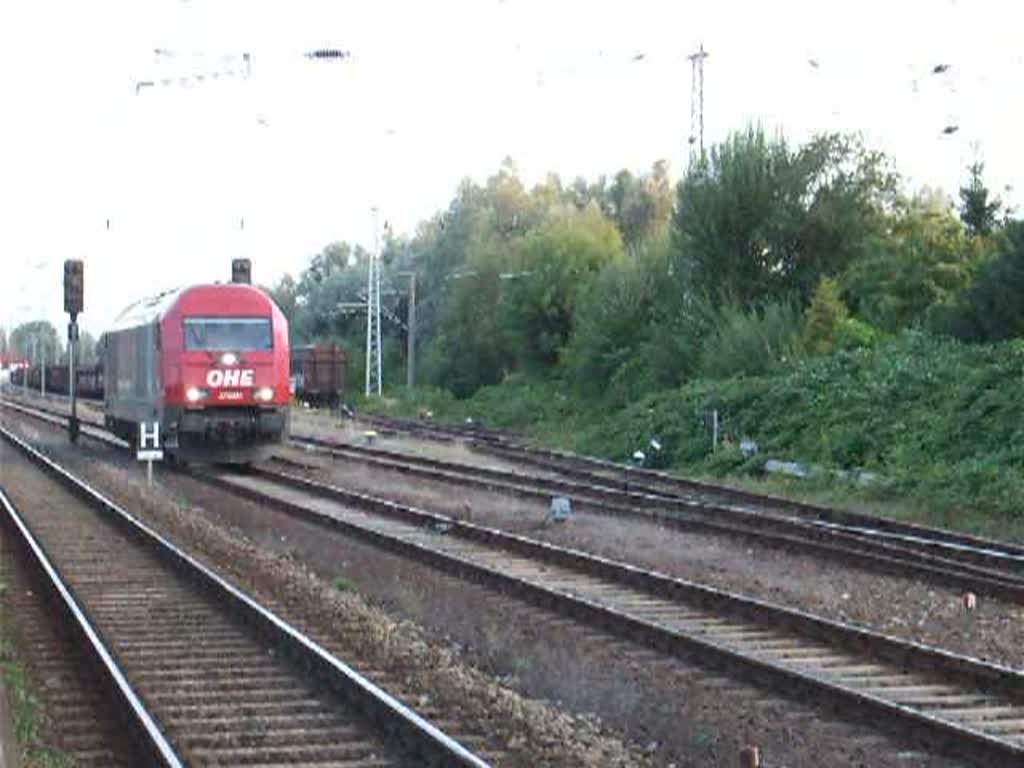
[3,344]
[333,259]
[87,349]
[555,262]
[471,349]
[320,302]
[978,210]
[640,206]
[37,340]
[920,265]
[286,295]
[825,316]
[758,220]
[612,323]
[324,305]
[581,193]
[991,309]
[511,209]
[441,249]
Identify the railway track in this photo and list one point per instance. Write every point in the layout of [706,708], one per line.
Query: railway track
[970,569]
[965,706]
[953,703]
[200,673]
[656,483]
[953,560]
[650,485]
[77,721]
[438,431]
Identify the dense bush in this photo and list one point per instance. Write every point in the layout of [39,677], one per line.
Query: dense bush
[931,416]
[609,353]
[992,309]
[935,419]
[751,342]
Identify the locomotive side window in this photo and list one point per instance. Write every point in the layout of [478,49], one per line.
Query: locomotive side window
[216,334]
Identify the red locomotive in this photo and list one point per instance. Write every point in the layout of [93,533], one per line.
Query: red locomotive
[209,363]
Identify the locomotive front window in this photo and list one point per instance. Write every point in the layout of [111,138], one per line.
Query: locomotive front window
[218,334]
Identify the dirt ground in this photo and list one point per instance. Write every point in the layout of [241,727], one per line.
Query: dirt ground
[895,605]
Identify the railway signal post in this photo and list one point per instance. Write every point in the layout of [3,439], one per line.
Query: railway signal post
[74,290]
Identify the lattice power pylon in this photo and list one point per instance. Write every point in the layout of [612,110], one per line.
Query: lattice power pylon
[374,356]
[697,102]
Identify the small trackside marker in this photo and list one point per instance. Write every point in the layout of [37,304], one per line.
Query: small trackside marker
[750,757]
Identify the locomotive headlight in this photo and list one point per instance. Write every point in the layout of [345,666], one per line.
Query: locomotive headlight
[264,394]
[229,358]
[195,394]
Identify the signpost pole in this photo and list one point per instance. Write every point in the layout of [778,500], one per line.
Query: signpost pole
[72,338]
[74,292]
[149,448]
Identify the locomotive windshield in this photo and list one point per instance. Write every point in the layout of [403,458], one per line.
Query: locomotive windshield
[217,334]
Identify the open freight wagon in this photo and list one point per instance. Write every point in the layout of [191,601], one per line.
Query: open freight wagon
[89,380]
[318,374]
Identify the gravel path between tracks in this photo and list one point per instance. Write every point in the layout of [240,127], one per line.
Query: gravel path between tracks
[532,733]
[322,425]
[900,606]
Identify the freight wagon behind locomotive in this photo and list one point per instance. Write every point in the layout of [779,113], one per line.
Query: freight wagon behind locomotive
[210,364]
[318,374]
[89,380]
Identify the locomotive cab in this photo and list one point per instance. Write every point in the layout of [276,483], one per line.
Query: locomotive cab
[210,363]
[229,386]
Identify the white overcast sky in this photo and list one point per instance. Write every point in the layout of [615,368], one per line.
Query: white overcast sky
[434,91]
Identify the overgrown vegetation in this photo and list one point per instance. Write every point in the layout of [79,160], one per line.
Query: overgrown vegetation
[803,292]
[343,584]
[936,421]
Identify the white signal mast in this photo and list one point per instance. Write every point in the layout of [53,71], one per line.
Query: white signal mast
[374,356]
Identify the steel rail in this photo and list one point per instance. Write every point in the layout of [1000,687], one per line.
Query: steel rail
[963,678]
[417,734]
[146,733]
[588,469]
[855,522]
[787,533]
[987,680]
[885,553]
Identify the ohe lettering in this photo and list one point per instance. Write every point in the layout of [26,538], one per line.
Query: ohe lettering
[229,378]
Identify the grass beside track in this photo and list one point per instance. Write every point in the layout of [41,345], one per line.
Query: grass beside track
[940,425]
[31,723]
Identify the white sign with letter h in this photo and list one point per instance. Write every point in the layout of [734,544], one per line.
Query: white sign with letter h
[149,447]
